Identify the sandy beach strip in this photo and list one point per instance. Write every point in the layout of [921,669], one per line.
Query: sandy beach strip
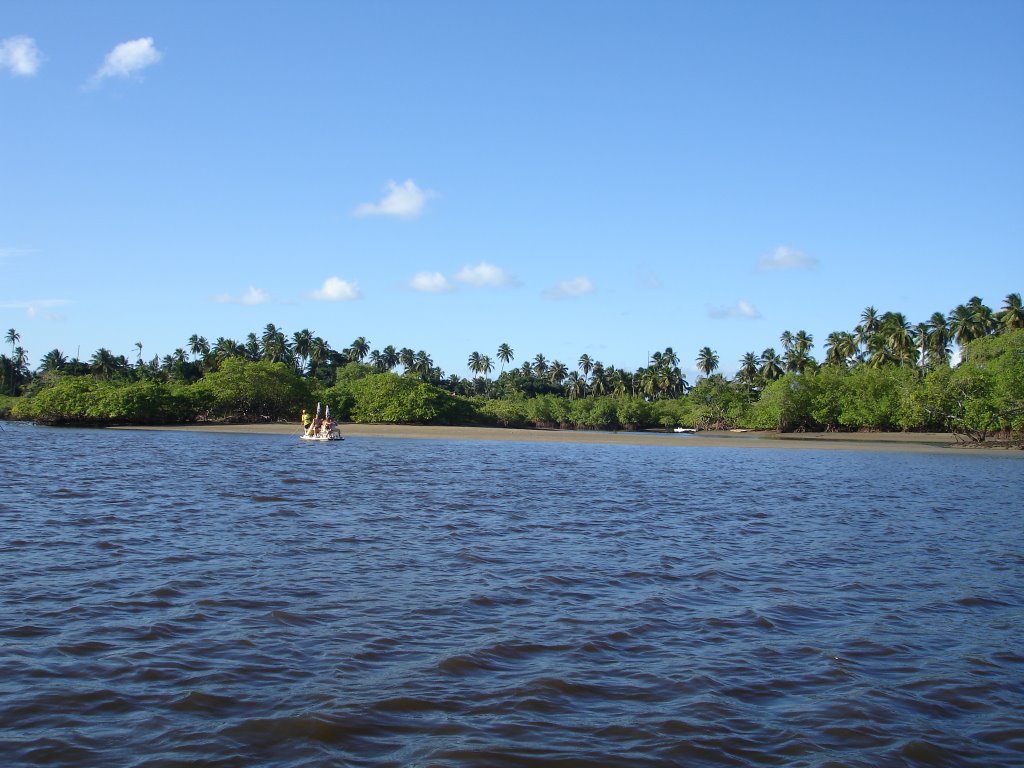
[916,442]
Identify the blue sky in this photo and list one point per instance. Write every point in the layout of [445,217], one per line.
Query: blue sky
[565,177]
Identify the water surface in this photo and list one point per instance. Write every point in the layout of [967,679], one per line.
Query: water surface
[223,599]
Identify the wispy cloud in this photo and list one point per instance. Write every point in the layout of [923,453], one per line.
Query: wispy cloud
[741,309]
[784,257]
[11,253]
[483,275]
[127,59]
[34,307]
[568,289]
[20,56]
[405,200]
[250,298]
[430,282]
[336,289]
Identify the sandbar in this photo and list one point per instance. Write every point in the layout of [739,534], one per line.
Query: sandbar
[913,442]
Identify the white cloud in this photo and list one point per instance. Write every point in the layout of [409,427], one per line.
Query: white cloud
[742,309]
[404,200]
[484,274]
[128,58]
[578,286]
[336,289]
[250,298]
[784,257]
[12,253]
[33,306]
[20,55]
[430,282]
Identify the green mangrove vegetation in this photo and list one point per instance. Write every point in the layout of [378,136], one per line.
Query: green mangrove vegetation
[963,373]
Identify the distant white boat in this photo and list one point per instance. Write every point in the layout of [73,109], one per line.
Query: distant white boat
[685,430]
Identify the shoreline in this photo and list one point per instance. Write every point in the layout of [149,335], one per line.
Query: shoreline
[903,442]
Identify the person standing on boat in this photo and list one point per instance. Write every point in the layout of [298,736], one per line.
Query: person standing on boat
[306,419]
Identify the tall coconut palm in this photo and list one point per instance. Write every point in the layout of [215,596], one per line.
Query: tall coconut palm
[575,386]
[938,341]
[473,363]
[771,365]
[422,364]
[319,353]
[557,372]
[1011,316]
[867,327]
[707,361]
[599,380]
[12,337]
[389,357]
[540,365]
[803,342]
[787,341]
[300,345]
[407,358]
[104,363]
[200,348]
[253,350]
[669,357]
[747,372]
[138,354]
[506,355]
[586,365]
[486,365]
[898,335]
[358,350]
[840,348]
[54,361]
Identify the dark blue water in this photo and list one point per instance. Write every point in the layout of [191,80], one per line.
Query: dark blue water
[230,600]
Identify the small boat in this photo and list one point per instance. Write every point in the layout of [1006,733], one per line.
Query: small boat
[323,437]
[685,430]
[322,430]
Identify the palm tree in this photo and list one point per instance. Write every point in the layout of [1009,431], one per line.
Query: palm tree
[54,360]
[669,357]
[407,358]
[707,361]
[840,348]
[300,344]
[506,355]
[138,353]
[252,348]
[771,365]
[540,365]
[12,338]
[938,340]
[868,326]
[103,363]
[787,341]
[319,353]
[557,372]
[389,357]
[748,368]
[598,379]
[586,365]
[898,336]
[1011,316]
[473,363]
[575,386]
[359,350]
[486,366]
[199,347]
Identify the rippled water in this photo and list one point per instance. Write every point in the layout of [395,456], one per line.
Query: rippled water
[222,599]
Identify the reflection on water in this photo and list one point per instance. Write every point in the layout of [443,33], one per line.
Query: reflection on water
[217,599]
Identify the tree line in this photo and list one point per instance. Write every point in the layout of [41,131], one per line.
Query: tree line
[885,373]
